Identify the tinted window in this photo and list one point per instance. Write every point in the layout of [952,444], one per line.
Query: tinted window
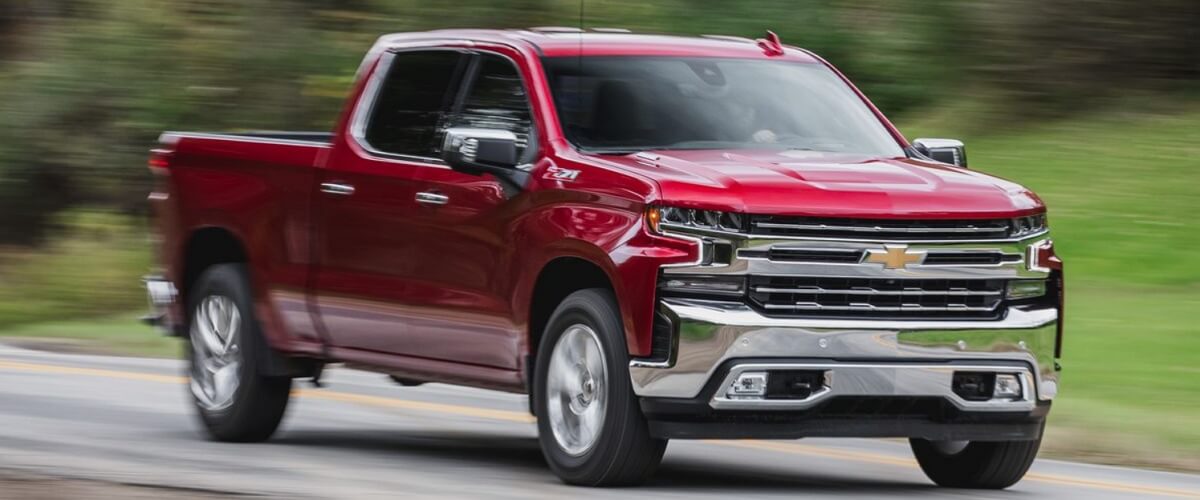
[496,101]
[628,104]
[412,102]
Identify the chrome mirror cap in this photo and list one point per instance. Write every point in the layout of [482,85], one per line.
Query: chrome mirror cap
[949,151]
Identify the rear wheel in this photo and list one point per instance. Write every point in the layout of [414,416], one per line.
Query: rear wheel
[591,429]
[233,400]
[975,464]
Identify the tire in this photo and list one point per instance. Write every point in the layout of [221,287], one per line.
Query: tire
[989,465]
[235,403]
[622,451]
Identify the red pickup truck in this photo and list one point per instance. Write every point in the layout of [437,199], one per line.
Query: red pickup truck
[654,237]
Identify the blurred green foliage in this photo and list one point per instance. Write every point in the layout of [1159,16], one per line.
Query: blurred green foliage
[86,85]
[90,267]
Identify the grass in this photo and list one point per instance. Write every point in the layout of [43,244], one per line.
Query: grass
[92,267]
[120,334]
[1130,391]
[1123,190]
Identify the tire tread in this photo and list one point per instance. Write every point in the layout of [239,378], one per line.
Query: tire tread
[981,465]
[631,455]
[261,401]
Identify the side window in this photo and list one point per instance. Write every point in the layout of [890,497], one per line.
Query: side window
[497,101]
[412,101]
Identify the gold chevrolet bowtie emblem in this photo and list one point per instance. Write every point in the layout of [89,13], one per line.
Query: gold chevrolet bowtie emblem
[895,256]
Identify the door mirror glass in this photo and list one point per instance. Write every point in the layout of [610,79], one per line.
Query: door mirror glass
[944,150]
[478,150]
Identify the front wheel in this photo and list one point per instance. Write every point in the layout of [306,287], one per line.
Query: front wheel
[590,427]
[975,464]
[234,401]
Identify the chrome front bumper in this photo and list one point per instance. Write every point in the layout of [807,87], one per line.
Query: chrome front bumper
[860,357]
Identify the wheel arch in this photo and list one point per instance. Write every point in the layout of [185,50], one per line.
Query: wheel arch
[205,247]
[208,246]
[559,277]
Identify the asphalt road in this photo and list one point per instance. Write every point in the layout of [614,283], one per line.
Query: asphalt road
[128,421]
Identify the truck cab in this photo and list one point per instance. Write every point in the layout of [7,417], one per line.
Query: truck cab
[655,237]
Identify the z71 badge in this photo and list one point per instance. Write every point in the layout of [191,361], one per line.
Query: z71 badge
[561,174]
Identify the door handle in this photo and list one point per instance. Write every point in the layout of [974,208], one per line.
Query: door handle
[337,188]
[431,198]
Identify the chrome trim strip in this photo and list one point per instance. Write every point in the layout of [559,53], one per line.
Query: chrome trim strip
[736,314]
[880,379]
[699,253]
[1031,258]
[730,235]
[813,306]
[816,249]
[174,137]
[881,229]
[874,292]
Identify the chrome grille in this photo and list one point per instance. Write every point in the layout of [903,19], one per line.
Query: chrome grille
[855,256]
[881,229]
[879,298]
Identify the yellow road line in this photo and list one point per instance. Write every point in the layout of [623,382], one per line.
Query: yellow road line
[470,411]
[93,372]
[522,417]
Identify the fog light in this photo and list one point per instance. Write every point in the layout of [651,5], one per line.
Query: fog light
[1023,289]
[748,385]
[1007,386]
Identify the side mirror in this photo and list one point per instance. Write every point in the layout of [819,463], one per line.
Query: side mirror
[944,150]
[477,151]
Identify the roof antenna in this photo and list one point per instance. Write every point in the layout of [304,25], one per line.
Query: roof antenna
[771,45]
[579,55]
[581,28]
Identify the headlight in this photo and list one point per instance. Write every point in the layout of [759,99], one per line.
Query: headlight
[1024,226]
[659,218]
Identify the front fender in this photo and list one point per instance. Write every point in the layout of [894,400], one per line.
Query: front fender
[613,238]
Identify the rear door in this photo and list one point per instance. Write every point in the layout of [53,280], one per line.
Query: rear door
[461,310]
[366,245]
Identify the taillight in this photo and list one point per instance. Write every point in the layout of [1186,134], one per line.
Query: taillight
[160,160]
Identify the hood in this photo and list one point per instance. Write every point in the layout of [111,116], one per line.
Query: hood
[793,182]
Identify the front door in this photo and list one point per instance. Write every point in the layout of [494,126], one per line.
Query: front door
[461,308]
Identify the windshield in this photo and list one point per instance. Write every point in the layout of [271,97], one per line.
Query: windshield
[635,103]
